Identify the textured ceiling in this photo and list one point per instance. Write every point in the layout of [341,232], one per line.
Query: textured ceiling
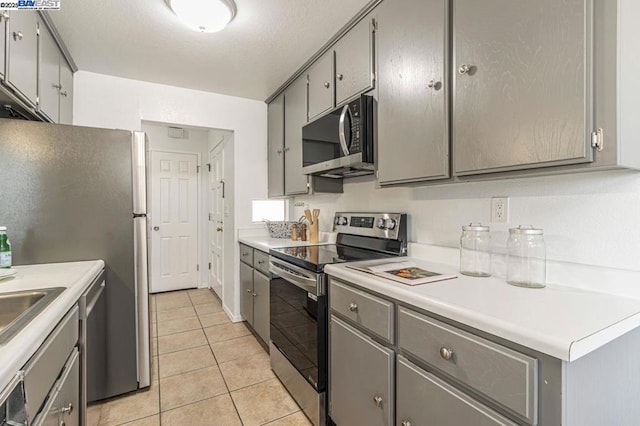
[265,44]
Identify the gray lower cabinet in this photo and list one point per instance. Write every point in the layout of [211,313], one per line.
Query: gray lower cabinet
[361,382]
[22,70]
[246,292]
[48,76]
[62,408]
[261,305]
[254,290]
[412,49]
[354,61]
[522,84]
[421,397]
[275,150]
[321,85]
[295,116]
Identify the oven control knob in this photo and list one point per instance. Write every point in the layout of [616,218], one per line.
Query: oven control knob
[381,223]
[342,221]
[390,223]
[337,220]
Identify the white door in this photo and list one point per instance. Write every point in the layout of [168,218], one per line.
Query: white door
[174,221]
[216,218]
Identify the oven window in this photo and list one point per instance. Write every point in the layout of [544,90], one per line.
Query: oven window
[295,316]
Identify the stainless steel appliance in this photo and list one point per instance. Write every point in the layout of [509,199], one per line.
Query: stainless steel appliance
[76,193]
[341,142]
[298,300]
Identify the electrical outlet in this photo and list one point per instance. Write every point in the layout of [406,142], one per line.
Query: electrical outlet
[499,209]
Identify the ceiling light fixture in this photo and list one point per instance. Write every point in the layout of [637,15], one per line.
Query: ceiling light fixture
[207,16]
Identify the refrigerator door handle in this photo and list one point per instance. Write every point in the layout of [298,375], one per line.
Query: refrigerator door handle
[139,165]
[143,321]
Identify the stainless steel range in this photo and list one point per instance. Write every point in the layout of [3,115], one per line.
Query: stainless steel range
[298,291]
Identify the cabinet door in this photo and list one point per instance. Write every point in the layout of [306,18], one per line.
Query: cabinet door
[4,15]
[246,293]
[48,75]
[275,113]
[295,116]
[23,54]
[361,378]
[424,399]
[261,305]
[354,61]
[68,399]
[321,90]
[66,92]
[413,139]
[522,91]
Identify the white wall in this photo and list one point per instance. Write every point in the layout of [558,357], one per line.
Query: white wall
[589,218]
[196,141]
[112,102]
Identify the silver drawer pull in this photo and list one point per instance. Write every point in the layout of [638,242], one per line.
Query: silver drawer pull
[446,353]
[248,290]
[68,409]
[340,76]
[245,254]
[260,262]
[17,35]
[464,69]
[405,423]
[353,307]
[326,84]
[377,400]
[254,294]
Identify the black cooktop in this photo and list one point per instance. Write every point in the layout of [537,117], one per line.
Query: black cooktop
[313,258]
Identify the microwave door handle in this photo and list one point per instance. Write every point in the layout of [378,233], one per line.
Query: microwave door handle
[343,140]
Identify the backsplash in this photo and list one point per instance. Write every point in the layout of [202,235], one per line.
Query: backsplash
[588,218]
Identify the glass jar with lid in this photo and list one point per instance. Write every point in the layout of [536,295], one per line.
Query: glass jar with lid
[526,257]
[475,250]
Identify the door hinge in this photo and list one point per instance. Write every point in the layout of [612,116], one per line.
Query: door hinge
[597,139]
[197,267]
[209,265]
[209,167]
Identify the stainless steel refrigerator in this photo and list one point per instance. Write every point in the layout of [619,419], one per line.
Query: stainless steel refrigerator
[71,193]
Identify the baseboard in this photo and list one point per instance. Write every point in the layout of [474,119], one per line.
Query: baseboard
[234,318]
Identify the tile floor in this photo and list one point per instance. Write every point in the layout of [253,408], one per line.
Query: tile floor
[205,371]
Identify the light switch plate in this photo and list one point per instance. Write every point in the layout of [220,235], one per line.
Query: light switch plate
[499,209]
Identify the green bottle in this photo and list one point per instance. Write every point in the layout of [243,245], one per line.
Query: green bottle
[5,248]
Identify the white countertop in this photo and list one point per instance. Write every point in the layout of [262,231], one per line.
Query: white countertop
[564,322]
[264,243]
[74,276]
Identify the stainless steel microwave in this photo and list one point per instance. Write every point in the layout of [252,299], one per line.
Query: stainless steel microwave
[341,142]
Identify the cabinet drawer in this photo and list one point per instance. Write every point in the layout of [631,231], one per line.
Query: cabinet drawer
[246,254]
[508,377]
[43,368]
[63,404]
[425,399]
[261,262]
[367,310]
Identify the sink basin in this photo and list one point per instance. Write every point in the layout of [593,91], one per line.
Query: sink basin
[17,309]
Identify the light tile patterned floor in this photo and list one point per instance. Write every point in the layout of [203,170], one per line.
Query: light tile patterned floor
[205,371]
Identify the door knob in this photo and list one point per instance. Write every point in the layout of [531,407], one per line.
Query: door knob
[156,228]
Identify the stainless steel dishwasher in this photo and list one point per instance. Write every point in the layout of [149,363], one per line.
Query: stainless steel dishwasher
[92,343]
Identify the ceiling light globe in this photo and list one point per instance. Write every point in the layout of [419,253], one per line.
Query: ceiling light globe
[207,16]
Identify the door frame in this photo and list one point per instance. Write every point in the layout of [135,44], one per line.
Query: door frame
[221,144]
[198,212]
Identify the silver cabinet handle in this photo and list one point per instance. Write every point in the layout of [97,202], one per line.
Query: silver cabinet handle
[286,148]
[218,229]
[446,353]
[64,93]
[433,84]
[156,228]
[279,151]
[244,254]
[405,423]
[260,262]
[377,400]
[340,76]
[353,307]
[57,86]
[68,409]
[326,84]
[254,295]
[4,16]
[248,290]
[464,69]
[18,35]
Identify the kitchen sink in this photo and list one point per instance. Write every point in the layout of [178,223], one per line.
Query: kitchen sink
[18,308]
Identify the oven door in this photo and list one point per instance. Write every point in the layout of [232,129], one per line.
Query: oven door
[298,320]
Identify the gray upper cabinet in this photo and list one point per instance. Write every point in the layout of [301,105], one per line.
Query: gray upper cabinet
[4,17]
[321,87]
[275,153]
[412,46]
[66,93]
[22,73]
[48,76]
[295,116]
[354,61]
[522,91]
[361,378]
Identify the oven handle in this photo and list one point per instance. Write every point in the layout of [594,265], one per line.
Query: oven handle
[341,135]
[307,284]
